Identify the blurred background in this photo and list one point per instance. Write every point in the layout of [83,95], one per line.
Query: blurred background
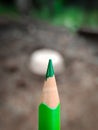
[69,27]
[71,14]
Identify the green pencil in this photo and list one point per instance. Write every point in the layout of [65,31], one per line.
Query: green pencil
[49,108]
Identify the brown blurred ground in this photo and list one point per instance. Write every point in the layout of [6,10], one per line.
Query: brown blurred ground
[20,89]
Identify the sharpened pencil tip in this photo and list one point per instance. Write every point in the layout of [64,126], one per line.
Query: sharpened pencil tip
[50,70]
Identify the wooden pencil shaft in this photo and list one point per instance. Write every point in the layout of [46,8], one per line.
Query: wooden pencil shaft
[50,93]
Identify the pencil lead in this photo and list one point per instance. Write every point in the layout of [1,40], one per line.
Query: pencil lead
[50,70]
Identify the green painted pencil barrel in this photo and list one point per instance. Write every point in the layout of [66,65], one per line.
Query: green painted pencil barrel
[49,118]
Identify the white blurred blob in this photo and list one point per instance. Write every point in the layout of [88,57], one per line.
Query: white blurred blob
[39,61]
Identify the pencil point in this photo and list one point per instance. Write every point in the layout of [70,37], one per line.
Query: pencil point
[50,70]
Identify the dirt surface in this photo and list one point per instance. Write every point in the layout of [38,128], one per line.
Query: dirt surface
[20,89]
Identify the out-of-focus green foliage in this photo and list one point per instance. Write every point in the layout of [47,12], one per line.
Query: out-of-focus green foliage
[69,13]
